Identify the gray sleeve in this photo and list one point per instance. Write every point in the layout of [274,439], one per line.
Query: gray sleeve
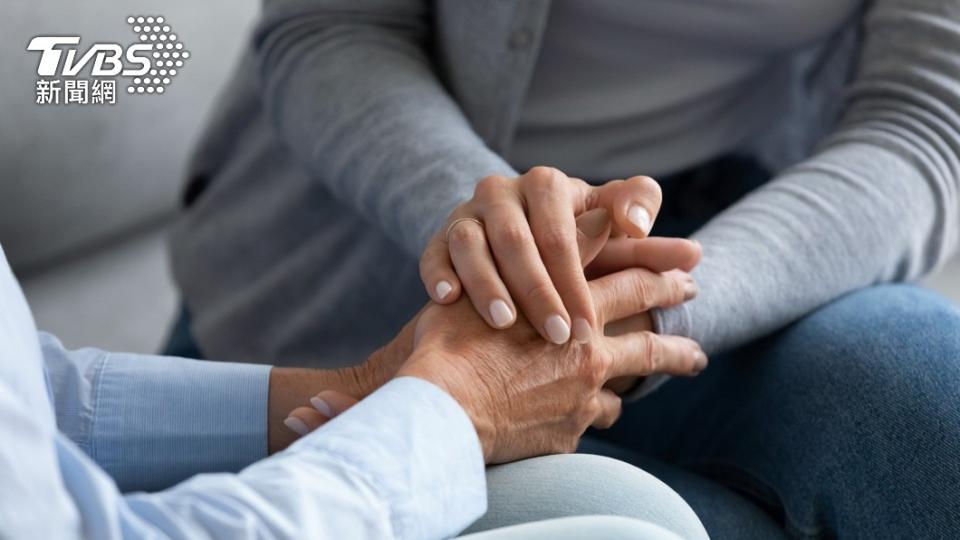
[878,201]
[388,139]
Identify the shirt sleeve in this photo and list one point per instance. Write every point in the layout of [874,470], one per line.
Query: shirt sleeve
[878,202]
[152,421]
[405,155]
[403,463]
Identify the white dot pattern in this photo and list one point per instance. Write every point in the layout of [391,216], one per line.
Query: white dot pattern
[167,52]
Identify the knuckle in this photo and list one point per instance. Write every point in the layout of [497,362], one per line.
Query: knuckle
[643,290]
[594,368]
[511,234]
[650,349]
[542,178]
[556,241]
[466,234]
[488,184]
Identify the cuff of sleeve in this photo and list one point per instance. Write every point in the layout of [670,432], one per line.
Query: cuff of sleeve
[160,420]
[420,451]
[673,321]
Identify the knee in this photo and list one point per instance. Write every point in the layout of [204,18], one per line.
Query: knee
[579,527]
[876,374]
[897,339]
[579,484]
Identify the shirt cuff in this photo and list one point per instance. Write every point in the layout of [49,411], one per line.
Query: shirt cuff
[160,420]
[418,449]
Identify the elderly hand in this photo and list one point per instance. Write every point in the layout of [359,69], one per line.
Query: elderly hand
[526,396]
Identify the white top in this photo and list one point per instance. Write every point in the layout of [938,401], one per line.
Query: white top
[623,87]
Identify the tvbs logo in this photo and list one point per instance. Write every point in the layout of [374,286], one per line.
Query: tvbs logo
[151,62]
[107,57]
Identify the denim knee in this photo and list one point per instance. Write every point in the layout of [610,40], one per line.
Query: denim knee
[579,484]
[870,386]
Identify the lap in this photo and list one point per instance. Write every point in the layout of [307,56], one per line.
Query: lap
[847,417]
[578,528]
[551,487]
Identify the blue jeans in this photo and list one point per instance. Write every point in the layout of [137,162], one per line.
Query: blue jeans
[844,424]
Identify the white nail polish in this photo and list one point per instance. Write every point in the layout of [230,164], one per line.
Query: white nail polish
[639,216]
[690,290]
[443,289]
[699,360]
[581,330]
[557,329]
[500,313]
[322,406]
[296,425]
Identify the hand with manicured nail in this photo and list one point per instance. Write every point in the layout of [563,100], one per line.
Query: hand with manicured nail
[529,397]
[515,243]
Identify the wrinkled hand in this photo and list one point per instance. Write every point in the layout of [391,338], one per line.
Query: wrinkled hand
[529,397]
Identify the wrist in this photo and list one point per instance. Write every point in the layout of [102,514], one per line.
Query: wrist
[434,367]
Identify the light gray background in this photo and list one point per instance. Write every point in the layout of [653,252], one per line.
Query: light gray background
[86,192]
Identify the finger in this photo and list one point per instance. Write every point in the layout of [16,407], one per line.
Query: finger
[655,253]
[303,420]
[555,232]
[636,290]
[437,273]
[478,274]
[633,203]
[330,403]
[522,269]
[610,407]
[645,353]
[593,230]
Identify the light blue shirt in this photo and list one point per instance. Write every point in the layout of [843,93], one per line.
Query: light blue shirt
[80,428]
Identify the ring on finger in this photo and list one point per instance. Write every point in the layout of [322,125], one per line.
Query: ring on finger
[446,236]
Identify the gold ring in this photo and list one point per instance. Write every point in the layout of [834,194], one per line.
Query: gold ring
[446,236]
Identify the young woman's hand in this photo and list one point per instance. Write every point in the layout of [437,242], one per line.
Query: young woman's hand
[515,243]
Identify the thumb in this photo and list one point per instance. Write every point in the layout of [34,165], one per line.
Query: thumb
[593,230]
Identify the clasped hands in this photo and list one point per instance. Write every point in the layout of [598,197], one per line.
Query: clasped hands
[577,261]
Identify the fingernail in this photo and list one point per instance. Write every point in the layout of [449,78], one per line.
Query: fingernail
[296,425]
[322,406]
[690,290]
[699,360]
[639,216]
[443,289]
[581,330]
[500,313]
[557,329]
[594,222]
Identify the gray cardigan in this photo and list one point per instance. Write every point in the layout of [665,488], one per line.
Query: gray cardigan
[352,128]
